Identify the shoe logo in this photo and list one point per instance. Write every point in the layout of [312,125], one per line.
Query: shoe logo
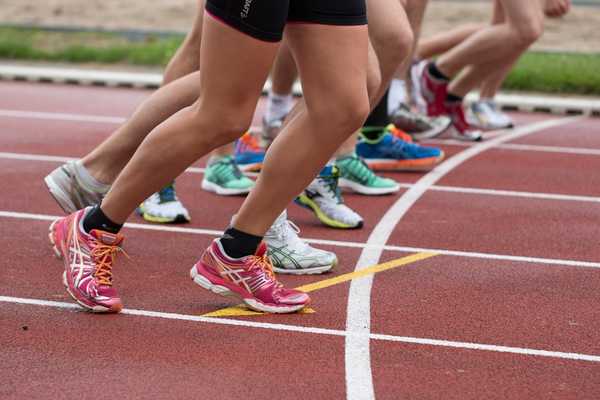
[246,9]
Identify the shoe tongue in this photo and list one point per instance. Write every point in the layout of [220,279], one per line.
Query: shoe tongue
[261,250]
[108,238]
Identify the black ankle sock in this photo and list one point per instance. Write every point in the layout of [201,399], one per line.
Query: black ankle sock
[96,219]
[373,132]
[436,73]
[452,98]
[238,244]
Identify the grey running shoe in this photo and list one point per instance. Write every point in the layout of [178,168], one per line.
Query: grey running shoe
[419,126]
[291,255]
[486,114]
[69,191]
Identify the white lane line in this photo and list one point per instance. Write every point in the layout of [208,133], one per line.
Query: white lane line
[24,114]
[452,189]
[335,243]
[54,116]
[359,377]
[317,331]
[61,159]
[522,147]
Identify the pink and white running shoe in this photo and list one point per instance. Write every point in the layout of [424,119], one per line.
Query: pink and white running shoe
[249,278]
[88,262]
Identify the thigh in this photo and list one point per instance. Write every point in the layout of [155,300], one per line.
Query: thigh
[523,13]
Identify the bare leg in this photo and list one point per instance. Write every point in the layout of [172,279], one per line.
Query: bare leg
[228,93]
[524,25]
[443,42]
[336,99]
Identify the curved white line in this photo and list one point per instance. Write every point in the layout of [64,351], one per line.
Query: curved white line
[359,378]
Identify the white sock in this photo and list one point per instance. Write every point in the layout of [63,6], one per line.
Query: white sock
[278,106]
[396,95]
[89,182]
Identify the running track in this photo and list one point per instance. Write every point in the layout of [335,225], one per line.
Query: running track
[489,285]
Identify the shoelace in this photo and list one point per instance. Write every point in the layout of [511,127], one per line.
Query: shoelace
[104,256]
[229,170]
[291,231]
[361,169]
[399,133]
[331,183]
[167,194]
[250,142]
[264,264]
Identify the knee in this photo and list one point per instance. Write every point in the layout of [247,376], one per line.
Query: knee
[218,127]
[525,34]
[395,44]
[345,114]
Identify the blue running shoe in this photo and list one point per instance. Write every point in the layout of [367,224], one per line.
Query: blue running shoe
[249,156]
[395,151]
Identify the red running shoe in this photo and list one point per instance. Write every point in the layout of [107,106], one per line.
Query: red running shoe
[463,130]
[250,278]
[88,262]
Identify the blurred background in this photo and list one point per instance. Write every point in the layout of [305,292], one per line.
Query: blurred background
[143,34]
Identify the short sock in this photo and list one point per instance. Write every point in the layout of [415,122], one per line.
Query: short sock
[397,95]
[238,244]
[96,219]
[89,182]
[452,98]
[373,133]
[436,73]
[278,106]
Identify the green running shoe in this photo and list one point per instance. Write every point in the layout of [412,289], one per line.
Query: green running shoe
[356,175]
[224,178]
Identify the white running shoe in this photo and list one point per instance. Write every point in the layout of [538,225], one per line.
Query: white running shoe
[164,207]
[485,114]
[291,255]
[323,197]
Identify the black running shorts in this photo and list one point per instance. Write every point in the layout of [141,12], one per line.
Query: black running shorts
[266,19]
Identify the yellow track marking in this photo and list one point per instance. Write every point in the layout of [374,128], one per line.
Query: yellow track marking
[241,310]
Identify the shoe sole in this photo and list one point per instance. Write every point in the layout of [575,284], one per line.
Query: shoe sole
[305,202]
[221,191]
[306,271]
[59,195]
[179,219]
[463,138]
[432,133]
[422,164]
[362,189]
[58,254]
[253,304]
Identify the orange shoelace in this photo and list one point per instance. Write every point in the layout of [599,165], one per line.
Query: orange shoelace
[104,256]
[251,141]
[264,263]
[399,133]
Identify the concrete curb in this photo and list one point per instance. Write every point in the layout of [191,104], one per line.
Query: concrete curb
[512,102]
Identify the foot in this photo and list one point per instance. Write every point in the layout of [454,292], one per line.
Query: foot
[88,260]
[356,175]
[463,130]
[249,156]
[291,255]
[224,178]
[485,114]
[323,197]
[430,93]
[164,207]
[395,151]
[69,190]
[419,126]
[249,278]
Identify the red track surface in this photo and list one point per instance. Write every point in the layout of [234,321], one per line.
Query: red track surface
[56,352]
